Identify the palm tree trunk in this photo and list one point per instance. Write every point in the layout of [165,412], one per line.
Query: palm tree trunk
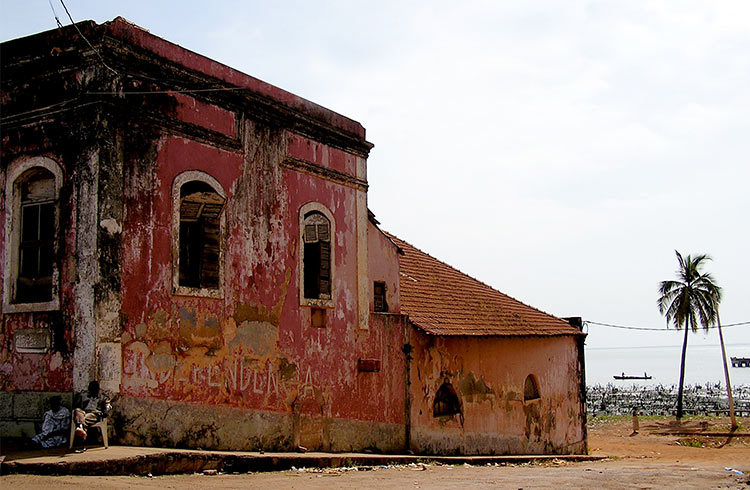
[726,374]
[682,373]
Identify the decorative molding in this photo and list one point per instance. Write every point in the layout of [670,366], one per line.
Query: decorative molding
[324,173]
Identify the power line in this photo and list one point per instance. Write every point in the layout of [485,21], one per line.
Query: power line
[57,19]
[624,327]
[87,41]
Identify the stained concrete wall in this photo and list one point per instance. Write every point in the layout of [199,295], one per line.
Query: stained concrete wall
[251,347]
[31,366]
[252,352]
[312,411]
[488,374]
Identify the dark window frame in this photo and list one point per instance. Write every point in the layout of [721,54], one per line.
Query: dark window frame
[380,300]
[36,255]
[446,402]
[198,235]
[531,390]
[316,257]
[201,208]
[32,208]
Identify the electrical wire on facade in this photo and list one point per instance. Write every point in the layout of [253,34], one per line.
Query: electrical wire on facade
[87,41]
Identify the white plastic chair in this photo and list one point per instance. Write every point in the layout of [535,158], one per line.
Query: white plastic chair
[101,425]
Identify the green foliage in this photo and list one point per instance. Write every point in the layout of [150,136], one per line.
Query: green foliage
[692,300]
[691,443]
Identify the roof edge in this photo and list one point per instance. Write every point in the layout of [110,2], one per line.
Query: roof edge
[397,239]
[426,331]
[132,33]
[124,31]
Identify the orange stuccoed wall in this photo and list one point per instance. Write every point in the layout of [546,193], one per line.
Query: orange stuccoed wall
[488,375]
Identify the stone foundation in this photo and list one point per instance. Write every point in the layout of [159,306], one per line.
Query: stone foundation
[159,423]
[21,413]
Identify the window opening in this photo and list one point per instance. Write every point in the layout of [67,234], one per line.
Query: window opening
[317,256]
[36,241]
[200,235]
[379,292]
[530,388]
[446,401]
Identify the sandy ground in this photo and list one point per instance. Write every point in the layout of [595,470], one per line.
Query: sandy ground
[645,460]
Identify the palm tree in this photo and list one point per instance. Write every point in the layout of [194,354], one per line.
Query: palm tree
[691,300]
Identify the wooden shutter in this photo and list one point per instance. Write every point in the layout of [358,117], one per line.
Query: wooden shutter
[325,269]
[200,239]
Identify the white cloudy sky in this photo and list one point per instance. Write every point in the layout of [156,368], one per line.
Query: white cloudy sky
[559,151]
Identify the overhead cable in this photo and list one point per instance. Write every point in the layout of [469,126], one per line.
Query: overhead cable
[87,41]
[57,19]
[624,327]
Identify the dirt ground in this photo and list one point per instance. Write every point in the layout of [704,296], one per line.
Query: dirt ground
[656,457]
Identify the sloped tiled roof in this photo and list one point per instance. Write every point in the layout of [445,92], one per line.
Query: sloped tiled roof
[444,301]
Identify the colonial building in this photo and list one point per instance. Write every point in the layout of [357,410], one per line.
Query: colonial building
[199,242]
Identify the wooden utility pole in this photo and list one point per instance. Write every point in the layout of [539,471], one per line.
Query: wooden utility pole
[726,374]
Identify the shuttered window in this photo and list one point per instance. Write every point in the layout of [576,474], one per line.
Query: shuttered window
[380,303]
[200,236]
[317,256]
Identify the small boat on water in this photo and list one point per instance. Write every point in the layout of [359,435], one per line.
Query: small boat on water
[624,376]
[740,362]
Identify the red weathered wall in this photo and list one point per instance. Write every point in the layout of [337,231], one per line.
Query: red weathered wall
[121,29]
[50,371]
[255,348]
[383,267]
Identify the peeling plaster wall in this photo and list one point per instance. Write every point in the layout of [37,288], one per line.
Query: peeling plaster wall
[251,348]
[252,354]
[242,367]
[76,139]
[488,374]
[244,403]
[88,274]
[383,267]
[50,369]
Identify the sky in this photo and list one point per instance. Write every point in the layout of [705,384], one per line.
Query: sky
[559,151]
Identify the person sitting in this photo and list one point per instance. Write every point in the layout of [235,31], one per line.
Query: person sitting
[94,407]
[55,425]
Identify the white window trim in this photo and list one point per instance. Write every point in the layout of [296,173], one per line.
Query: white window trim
[183,178]
[320,303]
[13,234]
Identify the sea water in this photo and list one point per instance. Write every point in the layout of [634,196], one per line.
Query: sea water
[703,365]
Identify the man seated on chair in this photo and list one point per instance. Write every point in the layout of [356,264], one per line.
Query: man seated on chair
[94,407]
[55,425]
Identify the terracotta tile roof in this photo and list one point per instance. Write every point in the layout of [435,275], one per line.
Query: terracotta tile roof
[444,301]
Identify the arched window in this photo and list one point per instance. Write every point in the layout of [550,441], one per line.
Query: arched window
[32,216]
[316,256]
[199,204]
[446,401]
[530,388]
[317,259]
